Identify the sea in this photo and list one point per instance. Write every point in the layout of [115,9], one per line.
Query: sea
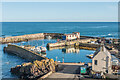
[96,29]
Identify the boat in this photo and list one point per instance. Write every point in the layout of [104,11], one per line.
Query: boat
[43,49]
[48,37]
[40,49]
[37,49]
[89,56]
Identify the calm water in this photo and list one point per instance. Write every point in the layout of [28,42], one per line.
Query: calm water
[89,29]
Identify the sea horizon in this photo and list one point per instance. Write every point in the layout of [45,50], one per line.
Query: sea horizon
[68,21]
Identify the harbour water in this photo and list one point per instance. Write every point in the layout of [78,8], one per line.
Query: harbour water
[109,30]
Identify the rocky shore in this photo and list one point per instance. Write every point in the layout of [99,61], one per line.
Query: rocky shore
[34,70]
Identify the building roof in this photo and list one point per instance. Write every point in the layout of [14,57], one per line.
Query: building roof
[103,49]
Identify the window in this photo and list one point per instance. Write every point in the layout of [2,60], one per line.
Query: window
[95,62]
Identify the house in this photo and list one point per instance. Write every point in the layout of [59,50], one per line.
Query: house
[74,35]
[102,61]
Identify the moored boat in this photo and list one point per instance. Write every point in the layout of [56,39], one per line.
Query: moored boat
[48,37]
[90,56]
[43,49]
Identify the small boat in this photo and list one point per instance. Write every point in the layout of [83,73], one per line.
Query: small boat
[43,49]
[40,49]
[48,37]
[92,42]
[37,49]
[90,56]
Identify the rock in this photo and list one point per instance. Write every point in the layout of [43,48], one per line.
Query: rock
[35,69]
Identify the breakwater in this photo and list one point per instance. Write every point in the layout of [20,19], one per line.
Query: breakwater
[14,39]
[23,53]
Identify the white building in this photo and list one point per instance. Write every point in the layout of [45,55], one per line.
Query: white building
[101,61]
[74,35]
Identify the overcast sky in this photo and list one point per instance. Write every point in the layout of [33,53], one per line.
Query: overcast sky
[59,11]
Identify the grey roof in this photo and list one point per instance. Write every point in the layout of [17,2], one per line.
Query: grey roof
[96,52]
[102,48]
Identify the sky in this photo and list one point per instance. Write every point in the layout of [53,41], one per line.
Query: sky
[59,11]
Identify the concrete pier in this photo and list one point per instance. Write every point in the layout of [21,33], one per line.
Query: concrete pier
[23,53]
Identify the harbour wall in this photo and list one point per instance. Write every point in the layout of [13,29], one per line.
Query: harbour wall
[73,42]
[84,46]
[14,39]
[54,35]
[23,53]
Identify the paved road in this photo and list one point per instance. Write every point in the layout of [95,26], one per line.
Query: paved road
[69,71]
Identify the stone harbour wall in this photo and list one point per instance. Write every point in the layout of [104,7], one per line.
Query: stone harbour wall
[21,38]
[23,53]
[68,43]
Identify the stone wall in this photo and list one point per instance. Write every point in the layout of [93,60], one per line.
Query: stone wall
[21,38]
[23,53]
[68,43]
[54,35]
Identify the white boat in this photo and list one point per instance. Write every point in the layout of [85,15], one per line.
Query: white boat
[43,49]
[92,42]
[40,49]
[48,37]
[37,49]
[90,56]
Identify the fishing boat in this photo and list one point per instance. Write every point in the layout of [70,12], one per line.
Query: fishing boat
[89,56]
